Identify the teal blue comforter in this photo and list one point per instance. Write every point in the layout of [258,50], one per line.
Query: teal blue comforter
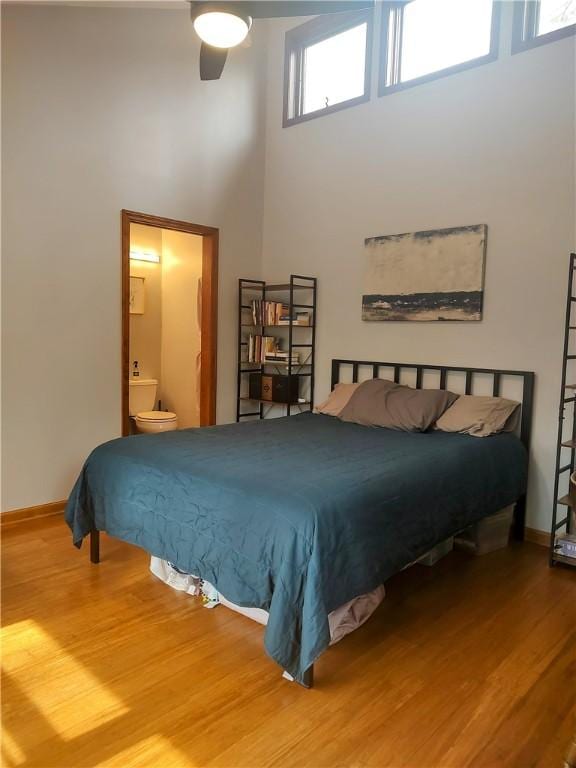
[295,515]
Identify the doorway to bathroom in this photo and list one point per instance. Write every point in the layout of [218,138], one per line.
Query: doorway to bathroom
[169,323]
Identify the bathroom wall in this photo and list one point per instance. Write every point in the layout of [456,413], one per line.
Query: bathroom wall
[146,329]
[181,273]
[165,340]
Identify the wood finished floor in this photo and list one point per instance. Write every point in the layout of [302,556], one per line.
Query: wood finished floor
[471,663]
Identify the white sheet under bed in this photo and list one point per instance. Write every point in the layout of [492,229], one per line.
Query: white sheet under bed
[342,621]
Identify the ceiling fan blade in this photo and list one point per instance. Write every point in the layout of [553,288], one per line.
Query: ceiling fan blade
[212,61]
[272,9]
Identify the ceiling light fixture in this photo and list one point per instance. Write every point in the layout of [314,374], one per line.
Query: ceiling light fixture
[222,29]
[136,255]
[225,24]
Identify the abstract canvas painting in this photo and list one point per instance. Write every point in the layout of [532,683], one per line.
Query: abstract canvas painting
[432,275]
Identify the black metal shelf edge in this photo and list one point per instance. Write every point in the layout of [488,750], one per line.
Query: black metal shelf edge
[270,402]
[564,559]
[282,325]
[561,520]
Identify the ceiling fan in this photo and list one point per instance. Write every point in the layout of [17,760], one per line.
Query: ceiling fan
[224,25]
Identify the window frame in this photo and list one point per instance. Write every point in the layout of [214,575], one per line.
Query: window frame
[311,32]
[391,36]
[525,26]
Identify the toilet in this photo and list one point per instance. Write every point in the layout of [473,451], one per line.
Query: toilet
[142,397]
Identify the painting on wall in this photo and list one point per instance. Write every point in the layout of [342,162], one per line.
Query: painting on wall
[423,276]
[137,293]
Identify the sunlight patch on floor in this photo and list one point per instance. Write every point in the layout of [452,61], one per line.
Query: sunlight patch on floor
[12,755]
[154,751]
[64,692]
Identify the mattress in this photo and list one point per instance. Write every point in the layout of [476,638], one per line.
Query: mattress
[295,516]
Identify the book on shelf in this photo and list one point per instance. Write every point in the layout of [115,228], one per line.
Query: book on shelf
[283,353]
[277,313]
[264,349]
[259,347]
[268,312]
[566,545]
[283,356]
[297,318]
[295,360]
[303,318]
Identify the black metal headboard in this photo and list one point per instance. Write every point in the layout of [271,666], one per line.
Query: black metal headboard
[497,375]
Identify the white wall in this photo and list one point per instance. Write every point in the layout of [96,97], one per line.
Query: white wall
[181,273]
[493,145]
[103,110]
[146,329]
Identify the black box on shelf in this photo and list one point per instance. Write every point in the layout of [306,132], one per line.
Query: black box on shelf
[266,387]
[285,389]
[274,387]
[255,386]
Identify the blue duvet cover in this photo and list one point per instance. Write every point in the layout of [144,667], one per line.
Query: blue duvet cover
[294,515]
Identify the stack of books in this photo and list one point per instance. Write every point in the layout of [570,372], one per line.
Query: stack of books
[277,313]
[297,318]
[566,545]
[278,356]
[303,318]
[259,347]
[268,312]
[264,349]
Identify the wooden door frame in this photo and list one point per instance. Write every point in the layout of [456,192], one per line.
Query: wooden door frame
[209,325]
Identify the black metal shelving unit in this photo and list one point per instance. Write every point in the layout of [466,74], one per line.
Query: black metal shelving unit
[563,521]
[300,292]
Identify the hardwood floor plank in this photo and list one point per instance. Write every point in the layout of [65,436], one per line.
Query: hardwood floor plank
[469,663]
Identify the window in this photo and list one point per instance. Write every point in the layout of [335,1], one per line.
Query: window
[327,65]
[542,21]
[427,39]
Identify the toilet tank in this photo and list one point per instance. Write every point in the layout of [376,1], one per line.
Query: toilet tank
[142,395]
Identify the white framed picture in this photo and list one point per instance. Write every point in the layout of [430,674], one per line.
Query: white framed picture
[432,275]
[137,293]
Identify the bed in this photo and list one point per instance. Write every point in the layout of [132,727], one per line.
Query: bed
[299,515]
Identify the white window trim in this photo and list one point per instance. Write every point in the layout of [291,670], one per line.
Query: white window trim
[315,31]
[390,50]
[525,24]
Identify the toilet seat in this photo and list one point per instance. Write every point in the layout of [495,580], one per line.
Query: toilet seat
[156,416]
[156,421]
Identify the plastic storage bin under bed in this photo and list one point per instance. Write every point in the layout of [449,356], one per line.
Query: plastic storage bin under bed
[487,535]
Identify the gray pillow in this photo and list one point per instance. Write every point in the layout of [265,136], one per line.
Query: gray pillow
[380,403]
[480,416]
